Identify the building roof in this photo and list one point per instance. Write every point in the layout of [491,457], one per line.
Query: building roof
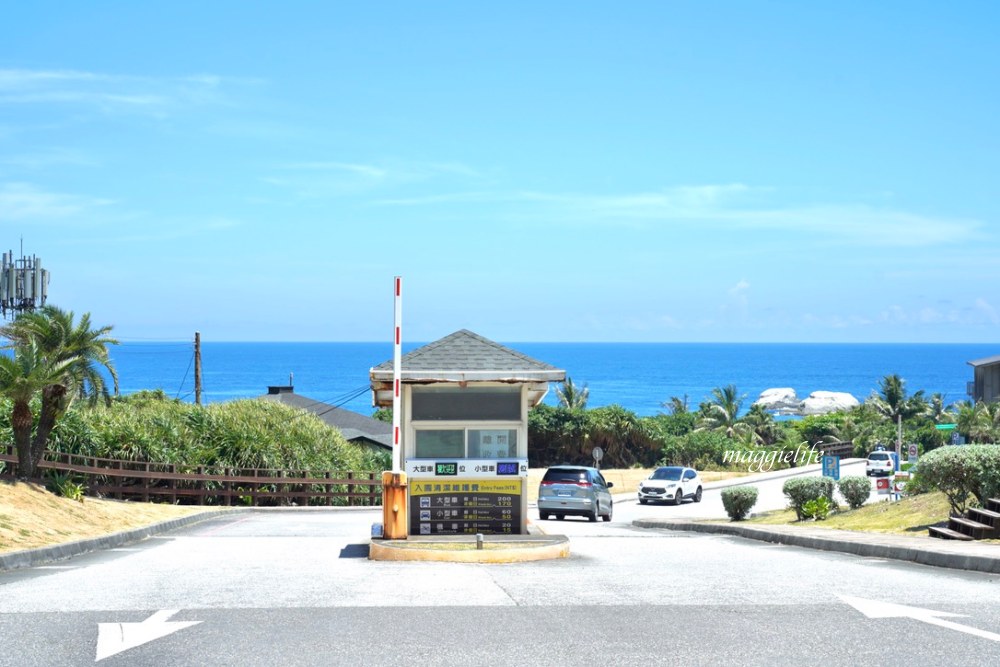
[352,425]
[988,361]
[466,356]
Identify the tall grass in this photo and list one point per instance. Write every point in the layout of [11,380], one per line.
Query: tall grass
[148,427]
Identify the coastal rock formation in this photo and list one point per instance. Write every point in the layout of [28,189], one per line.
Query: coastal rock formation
[823,402]
[781,400]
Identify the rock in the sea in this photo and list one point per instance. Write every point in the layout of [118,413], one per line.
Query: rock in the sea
[824,402]
[782,400]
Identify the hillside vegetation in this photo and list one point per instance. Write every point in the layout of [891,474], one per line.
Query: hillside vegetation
[148,426]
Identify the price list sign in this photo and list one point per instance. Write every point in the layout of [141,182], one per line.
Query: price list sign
[465,506]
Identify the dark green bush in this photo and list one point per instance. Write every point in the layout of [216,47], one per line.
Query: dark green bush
[964,473]
[738,501]
[855,490]
[801,490]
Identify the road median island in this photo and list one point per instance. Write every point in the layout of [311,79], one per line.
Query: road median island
[464,549]
[954,555]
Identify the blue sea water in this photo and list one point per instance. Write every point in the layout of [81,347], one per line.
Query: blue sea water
[637,376]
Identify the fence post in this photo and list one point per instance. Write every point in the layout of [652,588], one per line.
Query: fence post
[145,484]
[202,485]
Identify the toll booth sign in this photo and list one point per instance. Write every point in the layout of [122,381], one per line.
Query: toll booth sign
[465,506]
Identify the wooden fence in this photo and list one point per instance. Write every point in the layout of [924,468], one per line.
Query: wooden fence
[206,485]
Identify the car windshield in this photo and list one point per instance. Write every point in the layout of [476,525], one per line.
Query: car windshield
[669,474]
[878,456]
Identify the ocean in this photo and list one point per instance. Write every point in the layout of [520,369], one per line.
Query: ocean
[637,376]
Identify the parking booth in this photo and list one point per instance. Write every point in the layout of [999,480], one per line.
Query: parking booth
[464,433]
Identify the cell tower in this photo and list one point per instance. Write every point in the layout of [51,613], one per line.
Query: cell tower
[24,284]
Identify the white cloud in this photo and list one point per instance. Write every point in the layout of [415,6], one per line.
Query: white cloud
[987,310]
[319,178]
[155,96]
[726,207]
[23,201]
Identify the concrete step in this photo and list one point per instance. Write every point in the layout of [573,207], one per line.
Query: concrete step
[971,528]
[993,504]
[947,534]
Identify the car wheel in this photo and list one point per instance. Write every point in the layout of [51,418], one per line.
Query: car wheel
[697,495]
[595,513]
[611,509]
[544,516]
[560,516]
[643,501]
[678,497]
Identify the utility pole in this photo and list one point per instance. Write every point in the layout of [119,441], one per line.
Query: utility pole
[197,368]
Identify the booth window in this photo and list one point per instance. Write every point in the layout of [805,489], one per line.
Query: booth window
[473,443]
[440,443]
[451,403]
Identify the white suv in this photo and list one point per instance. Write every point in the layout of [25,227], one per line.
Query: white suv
[880,463]
[670,484]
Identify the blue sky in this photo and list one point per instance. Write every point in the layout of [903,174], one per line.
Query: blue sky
[556,171]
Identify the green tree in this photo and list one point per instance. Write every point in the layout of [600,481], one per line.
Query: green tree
[23,375]
[722,411]
[677,405]
[892,401]
[572,397]
[71,355]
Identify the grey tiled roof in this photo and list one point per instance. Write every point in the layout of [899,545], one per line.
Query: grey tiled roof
[988,361]
[351,424]
[465,351]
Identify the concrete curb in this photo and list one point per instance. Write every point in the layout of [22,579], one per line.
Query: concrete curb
[959,556]
[513,549]
[32,557]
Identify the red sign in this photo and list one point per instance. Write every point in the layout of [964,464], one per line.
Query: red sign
[882,485]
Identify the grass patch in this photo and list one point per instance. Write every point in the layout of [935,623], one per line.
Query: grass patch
[34,517]
[909,516]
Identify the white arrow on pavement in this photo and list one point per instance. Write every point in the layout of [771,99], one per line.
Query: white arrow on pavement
[879,609]
[114,638]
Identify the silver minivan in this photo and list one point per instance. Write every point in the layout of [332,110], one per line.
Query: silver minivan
[575,491]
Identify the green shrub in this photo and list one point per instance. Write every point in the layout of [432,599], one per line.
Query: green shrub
[963,473]
[817,508]
[65,486]
[738,501]
[855,489]
[801,490]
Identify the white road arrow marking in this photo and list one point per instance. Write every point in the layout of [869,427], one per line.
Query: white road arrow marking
[113,638]
[879,609]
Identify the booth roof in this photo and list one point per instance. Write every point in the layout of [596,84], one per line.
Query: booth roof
[467,356]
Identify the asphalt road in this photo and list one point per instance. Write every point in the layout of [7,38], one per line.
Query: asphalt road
[295,588]
[770,497]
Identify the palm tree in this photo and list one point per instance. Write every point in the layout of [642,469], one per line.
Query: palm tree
[893,404]
[937,411]
[75,354]
[722,411]
[892,401]
[22,375]
[761,424]
[676,405]
[572,397]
